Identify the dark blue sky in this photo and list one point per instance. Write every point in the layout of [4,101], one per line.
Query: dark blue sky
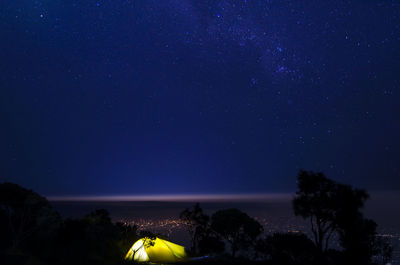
[174,96]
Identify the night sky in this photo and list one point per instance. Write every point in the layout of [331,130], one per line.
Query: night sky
[174,96]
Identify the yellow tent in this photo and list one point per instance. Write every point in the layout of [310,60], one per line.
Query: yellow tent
[156,250]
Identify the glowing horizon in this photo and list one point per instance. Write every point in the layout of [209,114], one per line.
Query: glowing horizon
[176,197]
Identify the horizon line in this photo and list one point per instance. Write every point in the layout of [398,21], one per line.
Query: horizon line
[176,197]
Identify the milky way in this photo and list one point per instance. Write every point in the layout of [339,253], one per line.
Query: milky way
[119,97]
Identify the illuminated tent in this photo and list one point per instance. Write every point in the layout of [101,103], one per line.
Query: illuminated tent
[156,250]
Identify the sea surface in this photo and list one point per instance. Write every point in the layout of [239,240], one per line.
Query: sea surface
[276,215]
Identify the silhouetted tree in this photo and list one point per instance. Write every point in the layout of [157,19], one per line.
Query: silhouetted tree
[287,248]
[237,228]
[210,243]
[327,204]
[150,237]
[331,208]
[197,224]
[90,240]
[127,236]
[357,235]
[31,232]
[315,200]
[26,219]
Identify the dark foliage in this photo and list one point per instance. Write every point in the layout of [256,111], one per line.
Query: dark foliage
[28,223]
[331,208]
[127,235]
[237,228]
[33,233]
[328,205]
[316,200]
[204,240]
[90,240]
[211,244]
[288,248]
[197,224]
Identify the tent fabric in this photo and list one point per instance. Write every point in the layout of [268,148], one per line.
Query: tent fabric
[156,250]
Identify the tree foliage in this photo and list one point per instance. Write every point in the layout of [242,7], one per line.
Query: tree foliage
[91,240]
[336,208]
[287,248]
[26,218]
[327,204]
[31,231]
[237,228]
[315,200]
[197,224]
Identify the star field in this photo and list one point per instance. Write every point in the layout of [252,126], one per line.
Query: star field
[198,96]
